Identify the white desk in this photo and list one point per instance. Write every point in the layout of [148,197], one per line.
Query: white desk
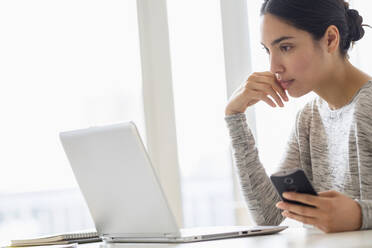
[291,237]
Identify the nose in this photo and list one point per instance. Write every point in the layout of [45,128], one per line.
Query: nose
[276,67]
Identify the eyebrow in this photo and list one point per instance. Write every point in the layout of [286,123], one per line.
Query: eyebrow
[279,40]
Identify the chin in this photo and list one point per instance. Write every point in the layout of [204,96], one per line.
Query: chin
[296,93]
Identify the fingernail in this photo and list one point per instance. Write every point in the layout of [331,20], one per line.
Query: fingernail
[286,195]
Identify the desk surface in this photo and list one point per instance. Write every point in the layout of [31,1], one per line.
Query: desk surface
[291,237]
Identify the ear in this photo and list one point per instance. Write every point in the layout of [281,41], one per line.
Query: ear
[331,39]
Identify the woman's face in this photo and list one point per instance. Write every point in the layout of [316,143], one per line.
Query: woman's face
[295,57]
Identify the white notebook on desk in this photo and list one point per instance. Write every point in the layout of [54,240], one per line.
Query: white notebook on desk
[123,192]
[67,238]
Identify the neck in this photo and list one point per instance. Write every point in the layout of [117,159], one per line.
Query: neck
[339,88]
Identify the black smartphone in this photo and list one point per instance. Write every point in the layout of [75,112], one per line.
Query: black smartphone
[293,180]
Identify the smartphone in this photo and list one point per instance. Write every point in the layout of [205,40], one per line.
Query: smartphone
[293,180]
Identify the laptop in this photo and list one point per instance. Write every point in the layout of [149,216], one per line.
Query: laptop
[123,193]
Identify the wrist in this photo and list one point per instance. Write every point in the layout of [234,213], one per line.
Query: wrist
[228,112]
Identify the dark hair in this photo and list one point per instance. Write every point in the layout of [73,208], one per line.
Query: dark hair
[315,16]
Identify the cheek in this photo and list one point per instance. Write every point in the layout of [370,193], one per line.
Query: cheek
[306,68]
[302,66]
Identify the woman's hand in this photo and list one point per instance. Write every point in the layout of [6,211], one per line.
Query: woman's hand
[258,87]
[333,212]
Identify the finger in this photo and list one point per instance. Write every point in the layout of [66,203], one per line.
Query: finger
[271,79]
[330,193]
[268,90]
[259,95]
[298,209]
[300,218]
[313,200]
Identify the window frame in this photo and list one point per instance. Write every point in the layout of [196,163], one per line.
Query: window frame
[158,104]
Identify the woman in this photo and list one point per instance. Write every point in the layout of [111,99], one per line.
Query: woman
[307,42]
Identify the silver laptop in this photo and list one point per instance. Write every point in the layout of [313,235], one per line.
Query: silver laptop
[123,192]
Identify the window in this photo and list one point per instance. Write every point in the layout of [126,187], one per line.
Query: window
[195,32]
[63,65]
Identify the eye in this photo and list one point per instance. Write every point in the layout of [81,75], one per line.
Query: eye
[285,48]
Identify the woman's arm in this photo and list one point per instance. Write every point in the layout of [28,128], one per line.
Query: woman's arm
[258,191]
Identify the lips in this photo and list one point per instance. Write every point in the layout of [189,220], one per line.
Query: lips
[286,83]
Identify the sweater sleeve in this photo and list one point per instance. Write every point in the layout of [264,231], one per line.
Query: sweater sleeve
[259,193]
[366,207]
[364,147]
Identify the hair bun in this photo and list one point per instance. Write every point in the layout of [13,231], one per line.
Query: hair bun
[356,30]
